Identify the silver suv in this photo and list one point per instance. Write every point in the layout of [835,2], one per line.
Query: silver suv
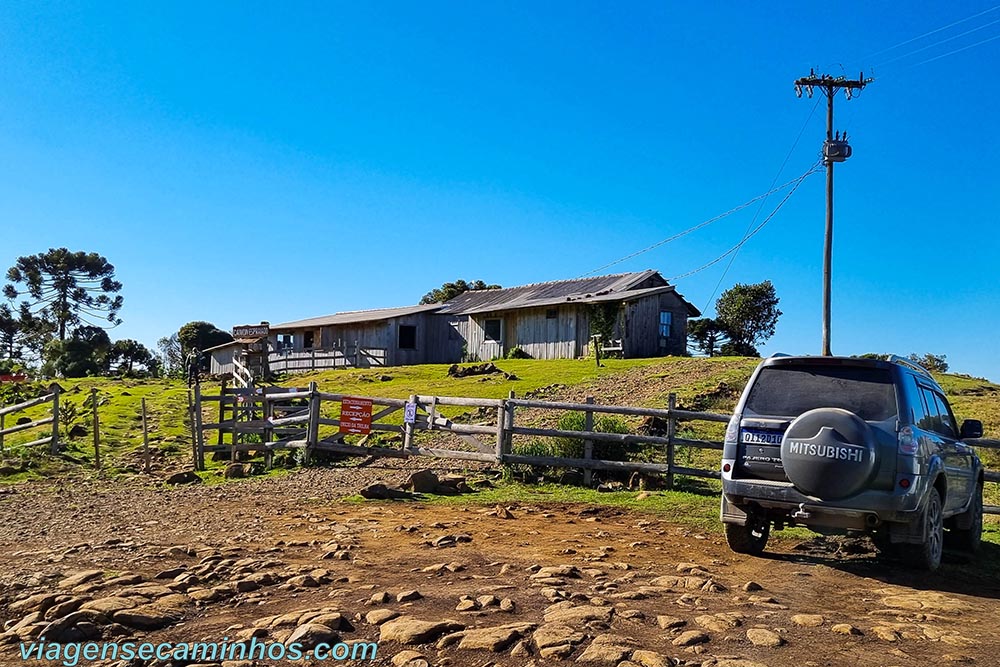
[842,444]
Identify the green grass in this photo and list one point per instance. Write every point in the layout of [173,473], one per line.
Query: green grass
[701,384]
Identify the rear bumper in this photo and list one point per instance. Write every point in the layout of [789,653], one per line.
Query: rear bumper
[859,512]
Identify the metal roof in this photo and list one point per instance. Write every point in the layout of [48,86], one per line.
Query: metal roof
[355,316]
[617,287]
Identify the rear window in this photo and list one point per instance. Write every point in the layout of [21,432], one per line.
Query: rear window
[788,391]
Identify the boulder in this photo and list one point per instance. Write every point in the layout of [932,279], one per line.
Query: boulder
[408,630]
[183,477]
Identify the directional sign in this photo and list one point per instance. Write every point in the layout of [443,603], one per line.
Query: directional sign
[410,413]
[355,415]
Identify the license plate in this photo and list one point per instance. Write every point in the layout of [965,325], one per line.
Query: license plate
[757,437]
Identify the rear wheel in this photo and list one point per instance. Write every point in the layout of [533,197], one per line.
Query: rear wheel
[968,539]
[749,539]
[927,556]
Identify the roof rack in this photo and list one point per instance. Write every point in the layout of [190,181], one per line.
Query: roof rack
[903,361]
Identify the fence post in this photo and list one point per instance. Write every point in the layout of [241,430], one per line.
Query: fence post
[357,354]
[508,445]
[54,448]
[501,415]
[312,434]
[268,431]
[97,428]
[2,419]
[194,438]
[199,434]
[222,411]
[145,437]
[671,429]
[588,445]
[408,428]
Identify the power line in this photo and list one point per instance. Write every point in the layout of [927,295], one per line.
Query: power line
[695,228]
[761,207]
[939,43]
[815,168]
[931,32]
[951,53]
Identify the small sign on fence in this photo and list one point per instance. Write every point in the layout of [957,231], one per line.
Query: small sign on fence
[410,413]
[13,377]
[356,415]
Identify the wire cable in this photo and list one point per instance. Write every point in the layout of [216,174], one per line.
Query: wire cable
[931,32]
[700,225]
[763,201]
[951,53]
[939,43]
[759,227]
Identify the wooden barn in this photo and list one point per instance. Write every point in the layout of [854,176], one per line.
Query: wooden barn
[635,314]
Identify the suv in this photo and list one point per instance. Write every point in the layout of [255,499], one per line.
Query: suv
[858,445]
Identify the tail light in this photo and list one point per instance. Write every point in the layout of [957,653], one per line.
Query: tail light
[907,441]
[733,430]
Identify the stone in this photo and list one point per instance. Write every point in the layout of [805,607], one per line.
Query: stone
[690,638]
[409,596]
[234,471]
[79,578]
[487,601]
[718,622]
[304,581]
[886,633]
[383,492]
[507,605]
[752,586]
[380,616]
[422,481]
[766,638]
[670,622]
[405,658]
[183,477]
[467,605]
[312,634]
[40,602]
[379,598]
[111,605]
[845,629]
[408,630]
[607,650]
[650,659]
[808,620]
[556,634]
[494,639]
[148,617]
[245,586]
[522,649]
[579,615]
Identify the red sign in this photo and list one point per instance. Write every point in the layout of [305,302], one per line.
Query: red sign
[17,377]
[355,415]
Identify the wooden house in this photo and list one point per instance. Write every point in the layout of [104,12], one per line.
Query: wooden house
[636,314]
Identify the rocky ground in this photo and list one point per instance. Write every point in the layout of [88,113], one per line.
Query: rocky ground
[283,559]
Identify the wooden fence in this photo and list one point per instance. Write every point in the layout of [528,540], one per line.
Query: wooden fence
[291,419]
[284,419]
[52,439]
[347,356]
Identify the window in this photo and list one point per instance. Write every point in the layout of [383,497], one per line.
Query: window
[493,329]
[552,314]
[284,341]
[785,391]
[407,337]
[666,326]
[307,340]
[940,420]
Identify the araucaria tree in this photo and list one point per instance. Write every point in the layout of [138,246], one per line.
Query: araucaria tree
[66,288]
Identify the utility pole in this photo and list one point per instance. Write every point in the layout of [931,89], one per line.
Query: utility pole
[835,149]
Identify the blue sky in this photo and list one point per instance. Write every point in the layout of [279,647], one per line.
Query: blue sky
[240,162]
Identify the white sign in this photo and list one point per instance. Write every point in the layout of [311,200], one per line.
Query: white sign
[410,413]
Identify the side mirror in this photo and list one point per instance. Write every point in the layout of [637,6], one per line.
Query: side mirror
[972,428]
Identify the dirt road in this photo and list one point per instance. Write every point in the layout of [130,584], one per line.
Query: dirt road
[282,559]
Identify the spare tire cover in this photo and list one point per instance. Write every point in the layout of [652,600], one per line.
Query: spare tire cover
[829,453]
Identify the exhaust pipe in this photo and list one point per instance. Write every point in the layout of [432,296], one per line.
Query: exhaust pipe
[872,520]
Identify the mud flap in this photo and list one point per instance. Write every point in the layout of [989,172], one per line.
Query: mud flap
[913,532]
[730,513]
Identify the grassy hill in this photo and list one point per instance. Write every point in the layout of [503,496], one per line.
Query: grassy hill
[703,384]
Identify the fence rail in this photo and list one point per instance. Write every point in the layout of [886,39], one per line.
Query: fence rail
[347,356]
[52,439]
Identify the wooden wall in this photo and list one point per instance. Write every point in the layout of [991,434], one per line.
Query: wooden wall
[642,327]
[221,360]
